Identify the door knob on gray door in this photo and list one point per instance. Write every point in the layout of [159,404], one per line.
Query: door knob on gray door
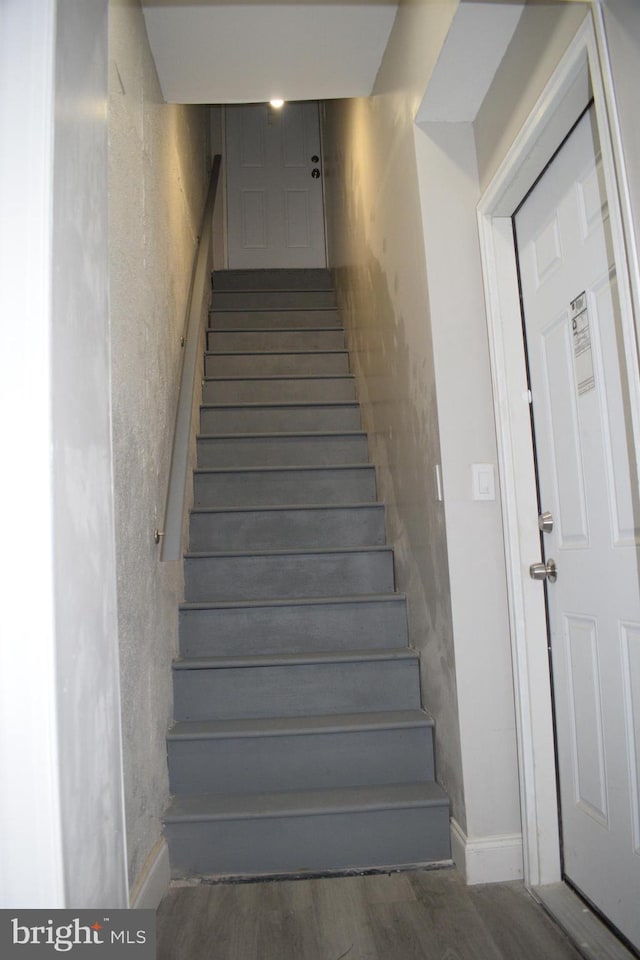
[315,173]
[544,571]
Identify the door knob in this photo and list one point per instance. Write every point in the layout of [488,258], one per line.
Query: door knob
[315,173]
[544,571]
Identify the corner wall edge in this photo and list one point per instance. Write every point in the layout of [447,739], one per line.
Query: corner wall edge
[153,880]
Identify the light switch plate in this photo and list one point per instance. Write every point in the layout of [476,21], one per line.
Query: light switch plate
[483,481]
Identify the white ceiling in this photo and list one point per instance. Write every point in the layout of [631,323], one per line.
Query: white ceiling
[207,51]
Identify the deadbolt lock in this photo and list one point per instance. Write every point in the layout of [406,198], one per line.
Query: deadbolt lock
[545,522]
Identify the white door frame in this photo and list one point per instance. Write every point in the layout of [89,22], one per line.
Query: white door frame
[583,72]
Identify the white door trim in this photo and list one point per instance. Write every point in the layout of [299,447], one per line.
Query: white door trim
[560,104]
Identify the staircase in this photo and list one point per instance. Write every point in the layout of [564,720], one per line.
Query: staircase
[299,742]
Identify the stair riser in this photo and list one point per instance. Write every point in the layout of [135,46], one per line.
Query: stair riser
[276,364]
[315,761]
[244,631]
[301,575]
[273,319]
[247,341]
[291,690]
[280,529]
[280,390]
[362,840]
[273,300]
[310,278]
[284,487]
[296,451]
[279,419]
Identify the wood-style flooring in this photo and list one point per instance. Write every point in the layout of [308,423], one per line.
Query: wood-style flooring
[422,915]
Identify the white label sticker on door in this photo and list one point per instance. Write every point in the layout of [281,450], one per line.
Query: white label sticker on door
[583,355]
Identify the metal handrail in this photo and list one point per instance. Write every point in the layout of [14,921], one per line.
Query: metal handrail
[171,535]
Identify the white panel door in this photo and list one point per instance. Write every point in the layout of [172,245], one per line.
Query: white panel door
[275,215]
[585,451]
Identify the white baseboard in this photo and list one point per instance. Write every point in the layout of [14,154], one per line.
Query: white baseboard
[153,881]
[487,859]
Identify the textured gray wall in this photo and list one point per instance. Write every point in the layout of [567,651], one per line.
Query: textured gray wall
[158,174]
[376,248]
[85,595]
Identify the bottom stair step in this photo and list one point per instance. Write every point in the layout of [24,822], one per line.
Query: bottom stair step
[308,831]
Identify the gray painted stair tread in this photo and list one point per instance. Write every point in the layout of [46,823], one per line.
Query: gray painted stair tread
[284,288]
[295,601]
[280,405]
[289,363]
[232,627]
[336,328]
[255,389]
[295,752]
[326,434]
[292,417]
[242,291]
[291,506]
[275,353]
[305,802]
[295,659]
[274,299]
[273,278]
[253,485]
[309,468]
[269,292]
[267,319]
[289,552]
[287,338]
[361,525]
[282,449]
[229,575]
[282,338]
[277,377]
[280,527]
[286,726]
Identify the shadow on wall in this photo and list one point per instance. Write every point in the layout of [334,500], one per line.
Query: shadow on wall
[399,413]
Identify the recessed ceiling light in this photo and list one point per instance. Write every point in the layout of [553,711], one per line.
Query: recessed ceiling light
[276,104]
